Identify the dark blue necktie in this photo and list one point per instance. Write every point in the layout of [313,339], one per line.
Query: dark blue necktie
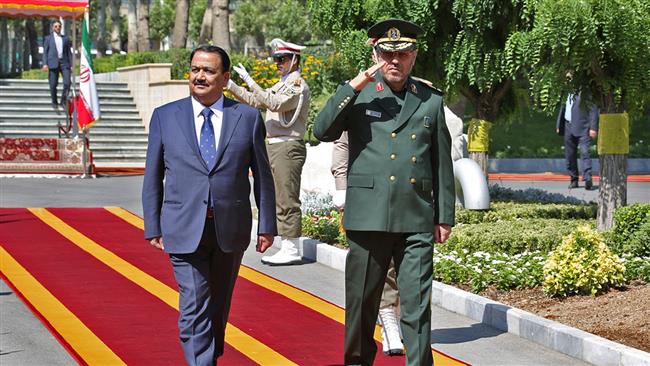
[206,144]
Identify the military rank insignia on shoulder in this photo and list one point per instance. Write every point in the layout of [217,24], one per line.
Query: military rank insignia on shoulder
[429,85]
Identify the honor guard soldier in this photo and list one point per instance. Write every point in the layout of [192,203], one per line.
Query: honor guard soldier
[400,189]
[287,106]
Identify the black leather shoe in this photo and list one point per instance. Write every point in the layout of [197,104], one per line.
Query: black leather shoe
[573,184]
[589,185]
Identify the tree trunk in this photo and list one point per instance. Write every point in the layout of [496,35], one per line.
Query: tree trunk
[481,158]
[220,24]
[132,18]
[47,27]
[612,189]
[100,35]
[179,35]
[16,49]
[143,25]
[4,46]
[25,50]
[116,43]
[33,43]
[205,33]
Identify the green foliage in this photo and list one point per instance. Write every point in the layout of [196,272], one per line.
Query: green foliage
[509,211]
[499,193]
[270,19]
[631,231]
[582,264]
[197,9]
[161,18]
[636,268]
[512,237]
[34,74]
[603,43]
[480,269]
[324,228]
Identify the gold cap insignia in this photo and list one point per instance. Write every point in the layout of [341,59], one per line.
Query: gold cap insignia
[394,34]
[414,89]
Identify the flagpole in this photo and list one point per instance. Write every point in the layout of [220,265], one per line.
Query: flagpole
[84,152]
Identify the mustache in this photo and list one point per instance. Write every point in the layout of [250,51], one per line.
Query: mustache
[200,82]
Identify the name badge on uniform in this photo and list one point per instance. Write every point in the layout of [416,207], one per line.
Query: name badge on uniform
[373,113]
[427,121]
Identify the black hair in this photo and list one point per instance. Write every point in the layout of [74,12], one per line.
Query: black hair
[56,21]
[223,55]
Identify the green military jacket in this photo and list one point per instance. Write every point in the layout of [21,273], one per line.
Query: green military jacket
[400,175]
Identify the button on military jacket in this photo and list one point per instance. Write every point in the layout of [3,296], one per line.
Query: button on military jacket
[400,175]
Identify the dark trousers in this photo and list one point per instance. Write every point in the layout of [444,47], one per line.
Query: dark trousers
[53,78]
[206,279]
[365,272]
[572,144]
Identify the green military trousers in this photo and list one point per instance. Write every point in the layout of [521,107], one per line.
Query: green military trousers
[287,159]
[365,272]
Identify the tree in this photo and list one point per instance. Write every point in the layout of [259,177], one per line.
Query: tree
[33,44]
[268,19]
[179,36]
[221,24]
[116,20]
[161,21]
[100,32]
[143,25]
[132,18]
[604,44]
[205,33]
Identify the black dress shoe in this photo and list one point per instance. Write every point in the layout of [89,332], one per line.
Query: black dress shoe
[589,185]
[573,184]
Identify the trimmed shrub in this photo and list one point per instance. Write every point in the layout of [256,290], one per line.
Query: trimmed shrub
[324,228]
[499,193]
[582,264]
[631,230]
[512,237]
[507,211]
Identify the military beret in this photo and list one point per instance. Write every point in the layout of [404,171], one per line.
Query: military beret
[394,35]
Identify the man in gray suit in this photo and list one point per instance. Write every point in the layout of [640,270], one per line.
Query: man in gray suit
[195,198]
[57,58]
[578,122]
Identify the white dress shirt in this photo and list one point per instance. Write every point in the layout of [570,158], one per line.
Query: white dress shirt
[216,118]
[58,41]
[569,106]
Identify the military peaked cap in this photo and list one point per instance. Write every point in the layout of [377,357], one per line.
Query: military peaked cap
[393,35]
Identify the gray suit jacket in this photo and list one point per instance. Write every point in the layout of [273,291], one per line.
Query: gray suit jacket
[177,211]
[50,54]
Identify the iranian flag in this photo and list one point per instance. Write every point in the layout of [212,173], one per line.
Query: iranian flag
[87,102]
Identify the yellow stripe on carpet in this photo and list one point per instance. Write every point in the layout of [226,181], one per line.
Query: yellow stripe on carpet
[84,342]
[244,343]
[302,297]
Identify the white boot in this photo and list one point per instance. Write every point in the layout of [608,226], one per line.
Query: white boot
[391,339]
[288,253]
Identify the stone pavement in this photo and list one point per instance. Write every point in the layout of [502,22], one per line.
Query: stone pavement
[25,341]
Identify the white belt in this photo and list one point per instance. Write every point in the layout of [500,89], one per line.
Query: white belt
[275,140]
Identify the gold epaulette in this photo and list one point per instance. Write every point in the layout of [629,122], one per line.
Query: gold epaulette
[428,84]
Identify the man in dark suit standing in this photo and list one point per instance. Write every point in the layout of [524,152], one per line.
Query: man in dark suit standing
[400,189]
[578,122]
[57,58]
[195,198]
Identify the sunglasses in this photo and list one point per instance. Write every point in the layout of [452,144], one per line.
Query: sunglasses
[280,59]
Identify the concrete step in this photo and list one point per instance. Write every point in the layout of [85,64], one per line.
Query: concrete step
[53,132]
[117,149]
[45,88]
[46,103]
[97,155]
[43,109]
[53,122]
[14,94]
[23,118]
[26,82]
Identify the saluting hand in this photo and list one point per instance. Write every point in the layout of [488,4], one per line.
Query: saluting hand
[360,81]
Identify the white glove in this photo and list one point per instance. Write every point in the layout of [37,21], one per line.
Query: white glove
[231,84]
[338,198]
[241,70]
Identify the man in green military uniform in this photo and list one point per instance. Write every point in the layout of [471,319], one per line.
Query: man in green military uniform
[400,189]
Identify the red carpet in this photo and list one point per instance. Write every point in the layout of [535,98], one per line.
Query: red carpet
[104,277]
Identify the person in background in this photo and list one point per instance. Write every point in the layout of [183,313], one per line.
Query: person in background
[400,189]
[287,106]
[578,122]
[195,198]
[57,59]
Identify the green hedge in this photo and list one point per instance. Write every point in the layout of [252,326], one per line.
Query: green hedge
[631,231]
[513,237]
[506,211]
[178,57]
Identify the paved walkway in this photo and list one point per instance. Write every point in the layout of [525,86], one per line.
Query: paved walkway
[25,341]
